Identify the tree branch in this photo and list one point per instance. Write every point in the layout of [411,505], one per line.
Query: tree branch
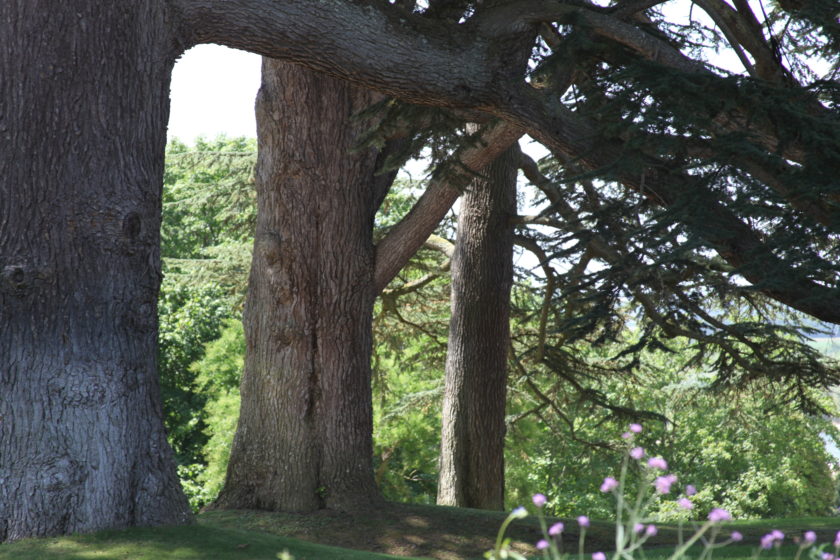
[380,46]
[570,137]
[403,240]
[743,30]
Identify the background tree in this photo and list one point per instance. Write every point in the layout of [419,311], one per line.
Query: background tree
[473,420]
[304,434]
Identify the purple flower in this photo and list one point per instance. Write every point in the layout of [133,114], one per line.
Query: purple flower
[657,463]
[810,537]
[767,541]
[609,484]
[637,453]
[583,521]
[519,513]
[636,428]
[773,537]
[685,503]
[651,530]
[626,435]
[718,514]
[837,540]
[827,556]
[663,483]
[556,529]
[638,528]
[542,544]
[539,500]
[736,536]
[690,490]
[599,556]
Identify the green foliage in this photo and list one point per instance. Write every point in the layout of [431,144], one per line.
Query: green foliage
[209,211]
[220,370]
[635,524]
[748,458]
[218,375]
[407,426]
[209,195]
[188,318]
[747,451]
[410,322]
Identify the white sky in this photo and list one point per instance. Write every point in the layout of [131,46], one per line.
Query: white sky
[213,91]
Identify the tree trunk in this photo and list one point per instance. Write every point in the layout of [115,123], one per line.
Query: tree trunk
[473,430]
[84,94]
[304,436]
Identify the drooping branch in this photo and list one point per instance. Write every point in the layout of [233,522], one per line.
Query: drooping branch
[570,137]
[738,342]
[550,287]
[436,243]
[726,28]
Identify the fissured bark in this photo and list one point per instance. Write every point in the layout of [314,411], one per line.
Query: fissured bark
[83,116]
[473,426]
[304,434]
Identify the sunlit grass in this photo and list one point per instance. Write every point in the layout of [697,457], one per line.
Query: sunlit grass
[193,542]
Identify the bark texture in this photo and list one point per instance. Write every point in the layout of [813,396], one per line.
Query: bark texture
[84,92]
[304,436]
[473,427]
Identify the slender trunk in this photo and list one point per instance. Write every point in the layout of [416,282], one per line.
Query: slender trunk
[473,430]
[304,434]
[82,123]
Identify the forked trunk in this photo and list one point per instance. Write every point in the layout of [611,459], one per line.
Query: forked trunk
[84,86]
[304,436]
[473,428]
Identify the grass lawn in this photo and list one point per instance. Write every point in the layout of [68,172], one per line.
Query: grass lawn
[418,532]
[193,542]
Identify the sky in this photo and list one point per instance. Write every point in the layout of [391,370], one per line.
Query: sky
[212,92]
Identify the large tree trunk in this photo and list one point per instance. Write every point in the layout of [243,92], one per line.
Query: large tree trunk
[473,430]
[304,434]
[84,92]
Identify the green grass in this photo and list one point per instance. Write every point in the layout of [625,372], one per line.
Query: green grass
[192,542]
[209,540]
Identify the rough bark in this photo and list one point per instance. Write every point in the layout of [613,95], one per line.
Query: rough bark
[84,92]
[304,434]
[473,427]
